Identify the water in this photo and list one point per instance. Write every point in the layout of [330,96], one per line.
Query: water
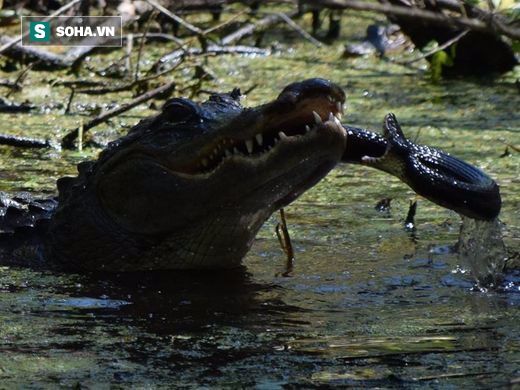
[481,248]
[368,304]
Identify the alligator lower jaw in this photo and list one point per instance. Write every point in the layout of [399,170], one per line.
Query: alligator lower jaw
[254,153]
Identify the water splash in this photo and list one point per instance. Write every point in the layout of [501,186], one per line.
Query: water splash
[481,249]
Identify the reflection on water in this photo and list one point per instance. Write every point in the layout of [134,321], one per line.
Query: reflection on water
[481,248]
[340,320]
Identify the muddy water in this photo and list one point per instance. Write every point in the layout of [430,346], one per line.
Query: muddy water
[368,304]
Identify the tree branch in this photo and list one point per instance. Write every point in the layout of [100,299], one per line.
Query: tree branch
[492,24]
[67,141]
[250,28]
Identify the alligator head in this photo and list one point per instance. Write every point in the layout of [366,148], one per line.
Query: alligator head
[190,187]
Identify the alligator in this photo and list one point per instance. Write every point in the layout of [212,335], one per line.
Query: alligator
[190,187]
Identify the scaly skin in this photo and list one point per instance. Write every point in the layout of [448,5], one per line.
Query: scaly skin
[432,173]
[190,187]
[181,190]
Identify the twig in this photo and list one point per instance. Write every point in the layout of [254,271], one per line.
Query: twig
[77,83]
[23,142]
[514,147]
[224,23]
[69,103]
[67,141]
[128,86]
[300,30]
[433,51]
[179,54]
[128,55]
[9,84]
[250,89]
[80,136]
[285,242]
[19,80]
[409,223]
[56,13]
[178,19]
[182,46]
[250,28]
[141,43]
[161,37]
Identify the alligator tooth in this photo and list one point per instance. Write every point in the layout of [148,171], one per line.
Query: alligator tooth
[330,98]
[317,118]
[249,146]
[228,153]
[281,134]
[339,107]
[307,128]
[331,116]
[259,139]
[235,151]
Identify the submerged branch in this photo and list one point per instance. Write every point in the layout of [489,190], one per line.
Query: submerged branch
[23,142]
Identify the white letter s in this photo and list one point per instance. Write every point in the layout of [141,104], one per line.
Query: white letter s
[39,31]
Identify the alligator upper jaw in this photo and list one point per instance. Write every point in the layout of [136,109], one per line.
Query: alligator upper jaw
[257,134]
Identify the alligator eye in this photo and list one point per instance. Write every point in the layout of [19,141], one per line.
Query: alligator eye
[179,110]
